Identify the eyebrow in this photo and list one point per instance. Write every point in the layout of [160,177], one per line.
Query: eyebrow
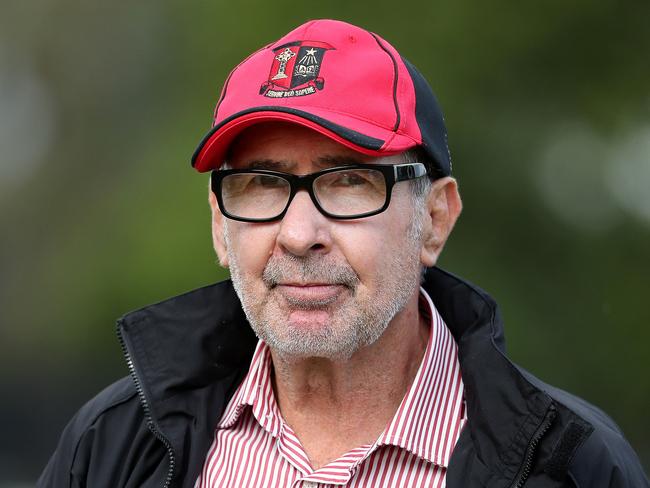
[271,164]
[331,161]
[325,161]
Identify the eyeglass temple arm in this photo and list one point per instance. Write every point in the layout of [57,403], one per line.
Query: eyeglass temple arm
[409,171]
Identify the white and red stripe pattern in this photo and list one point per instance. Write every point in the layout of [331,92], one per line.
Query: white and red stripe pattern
[254,447]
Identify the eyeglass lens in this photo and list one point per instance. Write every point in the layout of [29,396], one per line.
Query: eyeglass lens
[344,193]
[255,196]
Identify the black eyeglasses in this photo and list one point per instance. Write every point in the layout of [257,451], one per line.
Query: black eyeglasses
[343,192]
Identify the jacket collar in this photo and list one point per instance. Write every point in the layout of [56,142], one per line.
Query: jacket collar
[187,355]
[191,352]
[504,410]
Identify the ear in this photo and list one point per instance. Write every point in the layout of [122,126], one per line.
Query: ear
[218,239]
[443,208]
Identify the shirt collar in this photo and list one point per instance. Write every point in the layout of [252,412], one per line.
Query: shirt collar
[256,391]
[432,413]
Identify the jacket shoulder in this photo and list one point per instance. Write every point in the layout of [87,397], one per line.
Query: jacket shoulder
[605,459]
[111,397]
[117,401]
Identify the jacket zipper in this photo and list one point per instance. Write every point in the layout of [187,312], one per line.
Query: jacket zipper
[147,412]
[527,465]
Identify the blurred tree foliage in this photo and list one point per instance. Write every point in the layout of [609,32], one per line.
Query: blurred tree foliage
[102,103]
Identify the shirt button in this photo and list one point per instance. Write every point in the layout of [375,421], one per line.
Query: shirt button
[310,484]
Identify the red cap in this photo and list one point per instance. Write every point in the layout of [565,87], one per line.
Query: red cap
[338,79]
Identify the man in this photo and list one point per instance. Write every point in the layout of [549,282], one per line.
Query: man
[331,201]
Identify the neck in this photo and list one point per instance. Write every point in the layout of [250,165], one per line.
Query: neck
[327,402]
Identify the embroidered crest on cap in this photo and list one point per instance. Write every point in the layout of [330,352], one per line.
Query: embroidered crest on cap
[295,70]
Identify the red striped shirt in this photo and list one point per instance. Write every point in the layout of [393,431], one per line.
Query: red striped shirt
[254,447]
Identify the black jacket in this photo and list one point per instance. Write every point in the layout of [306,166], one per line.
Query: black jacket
[188,354]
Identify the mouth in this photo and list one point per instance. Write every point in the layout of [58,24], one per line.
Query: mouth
[309,296]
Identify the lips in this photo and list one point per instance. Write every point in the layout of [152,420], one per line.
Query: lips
[310,295]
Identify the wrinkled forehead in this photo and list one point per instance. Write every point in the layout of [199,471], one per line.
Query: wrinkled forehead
[289,147]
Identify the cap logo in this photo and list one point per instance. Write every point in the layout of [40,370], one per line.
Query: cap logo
[295,70]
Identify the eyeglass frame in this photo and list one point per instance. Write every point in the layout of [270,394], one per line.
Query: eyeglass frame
[393,173]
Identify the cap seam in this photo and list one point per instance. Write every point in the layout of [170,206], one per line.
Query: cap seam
[365,119]
[390,140]
[308,26]
[398,115]
[348,114]
[404,134]
[226,84]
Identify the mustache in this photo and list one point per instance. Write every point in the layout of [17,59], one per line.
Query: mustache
[308,269]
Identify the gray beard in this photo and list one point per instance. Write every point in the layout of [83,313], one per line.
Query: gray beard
[356,324]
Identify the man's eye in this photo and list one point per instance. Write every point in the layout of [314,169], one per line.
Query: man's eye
[267,181]
[350,179]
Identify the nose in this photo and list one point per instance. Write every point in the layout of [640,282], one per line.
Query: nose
[303,229]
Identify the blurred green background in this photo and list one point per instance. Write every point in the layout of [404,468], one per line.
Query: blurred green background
[102,104]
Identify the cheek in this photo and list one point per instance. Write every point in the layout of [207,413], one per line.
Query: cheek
[376,244]
[252,246]
[365,249]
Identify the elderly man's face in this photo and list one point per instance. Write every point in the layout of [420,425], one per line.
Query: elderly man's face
[312,286]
